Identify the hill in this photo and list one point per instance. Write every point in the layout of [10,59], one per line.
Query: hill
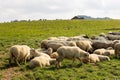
[89,17]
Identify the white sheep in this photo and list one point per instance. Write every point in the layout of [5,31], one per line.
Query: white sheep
[99,51]
[105,52]
[103,58]
[93,58]
[85,45]
[41,61]
[37,53]
[109,53]
[70,53]
[19,52]
[54,55]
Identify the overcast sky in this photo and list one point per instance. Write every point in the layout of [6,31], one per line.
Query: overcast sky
[57,9]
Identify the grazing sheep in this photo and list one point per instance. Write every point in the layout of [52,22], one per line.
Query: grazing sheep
[98,38]
[19,53]
[117,50]
[113,37]
[77,38]
[71,43]
[85,45]
[102,44]
[114,33]
[54,46]
[70,53]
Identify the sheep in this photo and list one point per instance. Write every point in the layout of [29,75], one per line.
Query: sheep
[19,52]
[98,38]
[102,44]
[70,53]
[71,43]
[77,38]
[41,61]
[99,51]
[85,45]
[36,53]
[117,50]
[113,37]
[54,55]
[93,58]
[114,33]
[109,53]
[103,58]
[106,52]
[54,46]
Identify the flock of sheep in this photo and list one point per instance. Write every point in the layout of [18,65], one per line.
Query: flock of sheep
[54,49]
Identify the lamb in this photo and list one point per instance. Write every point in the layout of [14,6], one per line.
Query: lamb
[41,61]
[19,52]
[70,53]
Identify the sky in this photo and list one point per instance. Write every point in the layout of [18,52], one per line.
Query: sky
[57,9]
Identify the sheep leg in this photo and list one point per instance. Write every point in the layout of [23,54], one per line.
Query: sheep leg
[80,60]
[73,61]
[58,62]
[25,61]
[11,58]
[16,60]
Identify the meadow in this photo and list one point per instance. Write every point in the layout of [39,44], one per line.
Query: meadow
[32,33]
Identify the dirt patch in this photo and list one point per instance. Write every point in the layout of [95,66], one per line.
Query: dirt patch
[10,73]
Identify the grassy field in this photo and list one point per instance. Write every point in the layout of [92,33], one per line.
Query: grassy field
[31,33]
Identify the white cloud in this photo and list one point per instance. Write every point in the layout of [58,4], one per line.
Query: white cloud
[53,9]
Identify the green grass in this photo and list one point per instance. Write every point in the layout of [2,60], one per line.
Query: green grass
[31,33]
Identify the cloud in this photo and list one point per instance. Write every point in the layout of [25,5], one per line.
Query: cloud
[53,9]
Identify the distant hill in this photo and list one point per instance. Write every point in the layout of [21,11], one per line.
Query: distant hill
[89,17]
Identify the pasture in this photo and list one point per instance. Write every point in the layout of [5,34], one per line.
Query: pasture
[32,32]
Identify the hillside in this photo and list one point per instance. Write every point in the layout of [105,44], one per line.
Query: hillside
[32,32]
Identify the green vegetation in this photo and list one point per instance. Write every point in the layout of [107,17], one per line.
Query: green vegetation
[31,33]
